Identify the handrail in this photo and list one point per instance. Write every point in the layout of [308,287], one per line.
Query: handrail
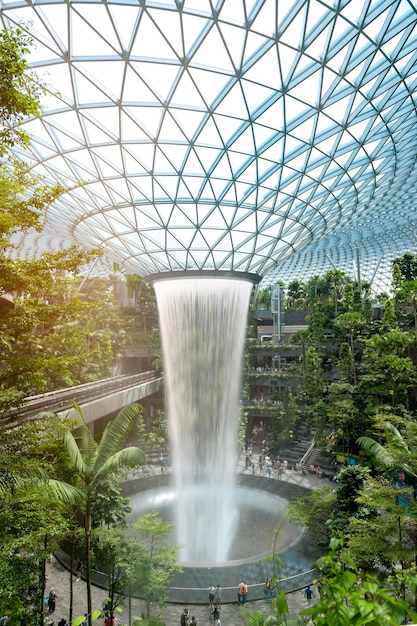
[308,452]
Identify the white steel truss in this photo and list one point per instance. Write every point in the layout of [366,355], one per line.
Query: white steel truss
[277,138]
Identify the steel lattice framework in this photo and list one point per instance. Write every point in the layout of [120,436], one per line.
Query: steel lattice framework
[264,136]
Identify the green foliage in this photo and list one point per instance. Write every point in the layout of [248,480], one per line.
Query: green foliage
[93,462]
[406,266]
[80,619]
[350,598]
[20,88]
[154,536]
[110,508]
[263,298]
[313,510]
[342,416]
[350,482]
[118,555]
[155,434]
[151,621]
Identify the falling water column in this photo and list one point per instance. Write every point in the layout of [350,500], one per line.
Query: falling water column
[203,325]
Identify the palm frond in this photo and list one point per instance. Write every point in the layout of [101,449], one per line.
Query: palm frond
[65,492]
[115,433]
[128,457]
[84,438]
[395,439]
[12,482]
[251,618]
[380,454]
[61,490]
[74,453]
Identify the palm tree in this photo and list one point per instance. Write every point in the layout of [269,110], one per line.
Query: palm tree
[396,454]
[92,462]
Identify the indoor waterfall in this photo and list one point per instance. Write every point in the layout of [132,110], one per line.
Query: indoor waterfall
[203,325]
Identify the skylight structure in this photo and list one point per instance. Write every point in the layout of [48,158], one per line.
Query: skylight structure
[277,138]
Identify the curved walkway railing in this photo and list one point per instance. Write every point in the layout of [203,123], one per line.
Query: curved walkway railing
[198,595]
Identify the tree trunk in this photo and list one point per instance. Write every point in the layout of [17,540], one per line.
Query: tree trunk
[353,356]
[42,582]
[87,528]
[71,579]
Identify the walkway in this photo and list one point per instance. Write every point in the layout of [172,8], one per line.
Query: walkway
[59,579]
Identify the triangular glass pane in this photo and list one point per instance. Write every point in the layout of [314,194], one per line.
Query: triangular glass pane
[207,156]
[183,235]
[150,118]
[87,89]
[254,42]
[235,37]
[188,120]
[233,11]
[237,160]
[222,169]
[198,242]
[149,212]
[209,134]
[293,34]
[86,41]
[129,130]
[59,78]
[207,193]
[98,16]
[212,53]
[308,90]
[125,18]
[159,77]
[193,166]
[145,186]
[275,153]
[169,184]
[288,58]
[186,94]
[176,154]
[192,26]
[149,43]
[317,47]
[265,72]
[169,22]
[234,103]
[135,90]
[210,84]
[218,185]
[170,131]
[256,95]
[106,118]
[228,126]
[244,143]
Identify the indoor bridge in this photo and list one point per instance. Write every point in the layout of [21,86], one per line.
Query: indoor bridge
[97,399]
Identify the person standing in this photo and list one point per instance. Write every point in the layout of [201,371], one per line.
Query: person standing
[309,594]
[211,594]
[185,617]
[242,591]
[218,596]
[79,568]
[244,594]
[52,600]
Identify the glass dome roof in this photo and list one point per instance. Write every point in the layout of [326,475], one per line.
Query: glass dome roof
[276,138]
